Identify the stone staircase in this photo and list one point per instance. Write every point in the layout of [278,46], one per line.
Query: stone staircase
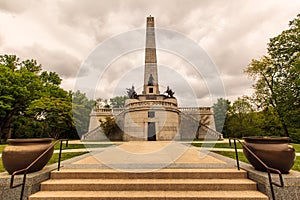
[108,184]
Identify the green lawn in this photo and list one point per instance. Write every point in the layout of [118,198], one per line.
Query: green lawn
[54,158]
[239,146]
[81,146]
[244,159]
[64,156]
[2,146]
[218,145]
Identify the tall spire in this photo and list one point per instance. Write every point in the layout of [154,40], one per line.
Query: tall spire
[150,73]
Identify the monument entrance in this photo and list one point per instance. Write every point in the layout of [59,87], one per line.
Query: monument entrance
[151,131]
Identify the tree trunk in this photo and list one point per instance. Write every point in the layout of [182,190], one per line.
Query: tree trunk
[285,129]
[284,126]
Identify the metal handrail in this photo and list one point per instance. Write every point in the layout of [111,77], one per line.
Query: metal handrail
[269,169]
[25,170]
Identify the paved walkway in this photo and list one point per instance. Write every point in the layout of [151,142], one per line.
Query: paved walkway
[149,156]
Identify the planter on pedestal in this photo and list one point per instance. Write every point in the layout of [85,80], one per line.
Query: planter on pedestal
[20,153]
[275,152]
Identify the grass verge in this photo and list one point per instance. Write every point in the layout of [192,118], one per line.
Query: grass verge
[239,146]
[54,158]
[244,159]
[218,145]
[81,146]
[2,146]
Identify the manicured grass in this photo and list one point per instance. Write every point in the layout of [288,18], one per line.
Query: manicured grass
[64,156]
[239,146]
[296,147]
[218,145]
[232,155]
[54,158]
[2,146]
[297,164]
[81,146]
[244,159]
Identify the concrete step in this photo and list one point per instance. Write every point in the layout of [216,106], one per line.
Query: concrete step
[109,184]
[147,184]
[159,174]
[147,195]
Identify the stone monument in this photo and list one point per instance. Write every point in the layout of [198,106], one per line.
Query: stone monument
[151,115]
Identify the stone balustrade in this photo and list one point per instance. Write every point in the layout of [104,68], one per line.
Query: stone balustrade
[151,103]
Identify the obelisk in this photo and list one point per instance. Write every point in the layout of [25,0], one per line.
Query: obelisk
[150,73]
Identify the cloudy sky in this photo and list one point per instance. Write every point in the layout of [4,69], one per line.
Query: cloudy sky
[63,34]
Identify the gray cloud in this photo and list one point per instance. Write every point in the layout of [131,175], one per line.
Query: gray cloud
[14,6]
[231,32]
[59,61]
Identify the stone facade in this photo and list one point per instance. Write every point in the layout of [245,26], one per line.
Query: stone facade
[153,119]
[193,122]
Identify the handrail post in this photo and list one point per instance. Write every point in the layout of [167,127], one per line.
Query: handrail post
[60,151]
[23,185]
[236,155]
[271,185]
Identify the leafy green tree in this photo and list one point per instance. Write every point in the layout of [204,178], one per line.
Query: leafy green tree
[32,104]
[267,123]
[240,118]
[220,113]
[19,86]
[82,108]
[118,101]
[277,77]
[54,113]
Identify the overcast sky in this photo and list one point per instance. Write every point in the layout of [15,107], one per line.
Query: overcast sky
[61,34]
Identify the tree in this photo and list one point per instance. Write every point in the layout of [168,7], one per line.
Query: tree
[277,77]
[54,113]
[81,107]
[220,113]
[118,101]
[267,123]
[19,86]
[32,104]
[240,120]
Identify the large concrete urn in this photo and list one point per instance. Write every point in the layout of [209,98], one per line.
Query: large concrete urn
[275,152]
[20,153]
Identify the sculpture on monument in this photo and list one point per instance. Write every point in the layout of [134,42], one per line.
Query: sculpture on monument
[131,93]
[151,79]
[170,92]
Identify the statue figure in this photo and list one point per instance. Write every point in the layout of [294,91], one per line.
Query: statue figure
[170,92]
[150,81]
[131,93]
